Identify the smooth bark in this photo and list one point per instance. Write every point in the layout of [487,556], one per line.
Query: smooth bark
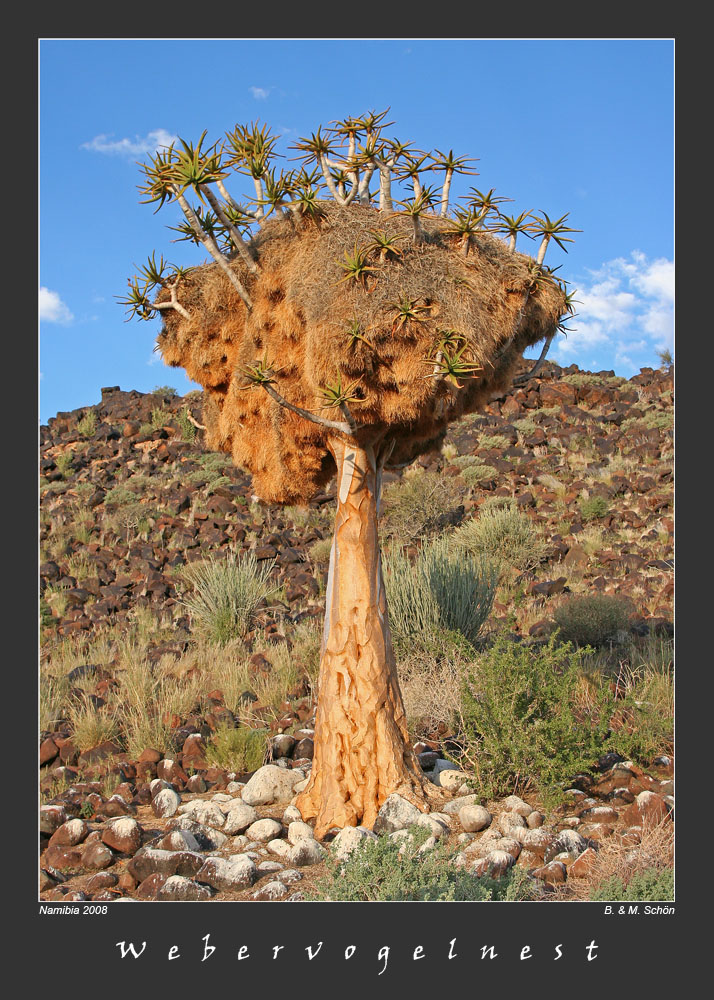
[362,753]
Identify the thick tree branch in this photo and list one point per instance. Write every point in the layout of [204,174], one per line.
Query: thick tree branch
[539,363]
[332,425]
[173,304]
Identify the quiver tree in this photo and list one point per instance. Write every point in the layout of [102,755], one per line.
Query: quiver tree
[339,337]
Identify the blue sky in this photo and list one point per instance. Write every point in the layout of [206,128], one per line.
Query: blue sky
[578,126]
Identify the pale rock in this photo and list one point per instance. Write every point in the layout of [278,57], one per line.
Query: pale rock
[264,830]
[270,784]
[270,866]
[350,838]
[271,890]
[507,821]
[436,827]
[515,804]
[234,787]
[535,819]
[51,818]
[306,852]
[123,834]
[474,818]
[298,831]
[452,808]
[508,844]
[239,817]
[451,779]
[292,815]
[280,847]
[178,840]
[208,838]
[181,888]
[567,841]
[228,874]
[396,814]
[166,802]
[207,813]
[222,797]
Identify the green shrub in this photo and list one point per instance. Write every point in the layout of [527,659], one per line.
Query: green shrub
[494,441]
[591,620]
[419,504]
[145,429]
[120,496]
[63,463]
[442,591]
[226,594]
[474,475]
[240,749]
[186,428]
[593,507]
[524,722]
[651,885]
[165,391]
[525,425]
[376,871]
[160,416]
[502,533]
[320,551]
[88,424]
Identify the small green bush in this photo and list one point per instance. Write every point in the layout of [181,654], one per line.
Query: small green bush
[160,416]
[593,507]
[88,424]
[591,620]
[376,871]
[120,496]
[523,722]
[474,475]
[502,533]
[240,749]
[226,594]
[652,885]
[63,463]
[166,391]
[418,506]
[525,425]
[443,591]
[494,441]
[186,428]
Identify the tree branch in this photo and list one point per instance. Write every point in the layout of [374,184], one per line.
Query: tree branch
[238,240]
[332,425]
[539,363]
[173,304]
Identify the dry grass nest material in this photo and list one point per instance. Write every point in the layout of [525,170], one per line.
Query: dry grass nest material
[304,313]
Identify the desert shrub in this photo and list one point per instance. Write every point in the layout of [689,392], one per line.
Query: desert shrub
[145,429]
[186,428]
[165,391]
[88,424]
[419,505]
[91,726]
[431,682]
[494,441]
[504,534]
[643,721]
[593,507]
[119,496]
[650,885]
[240,749]
[393,870]
[525,425]
[591,620]
[215,482]
[159,416]
[63,463]
[226,595]
[582,378]
[443,591]
[320,551]
[522,722]
[474,475]
[214,461]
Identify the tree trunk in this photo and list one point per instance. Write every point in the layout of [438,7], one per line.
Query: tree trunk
[361,753]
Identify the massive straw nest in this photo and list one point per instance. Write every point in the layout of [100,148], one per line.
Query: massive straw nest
[301,322]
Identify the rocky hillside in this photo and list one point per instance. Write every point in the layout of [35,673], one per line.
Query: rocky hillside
[129,497]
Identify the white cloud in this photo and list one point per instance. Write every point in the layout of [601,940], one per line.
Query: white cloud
[53,309]
[260,93]
[626,310]
[138,146]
